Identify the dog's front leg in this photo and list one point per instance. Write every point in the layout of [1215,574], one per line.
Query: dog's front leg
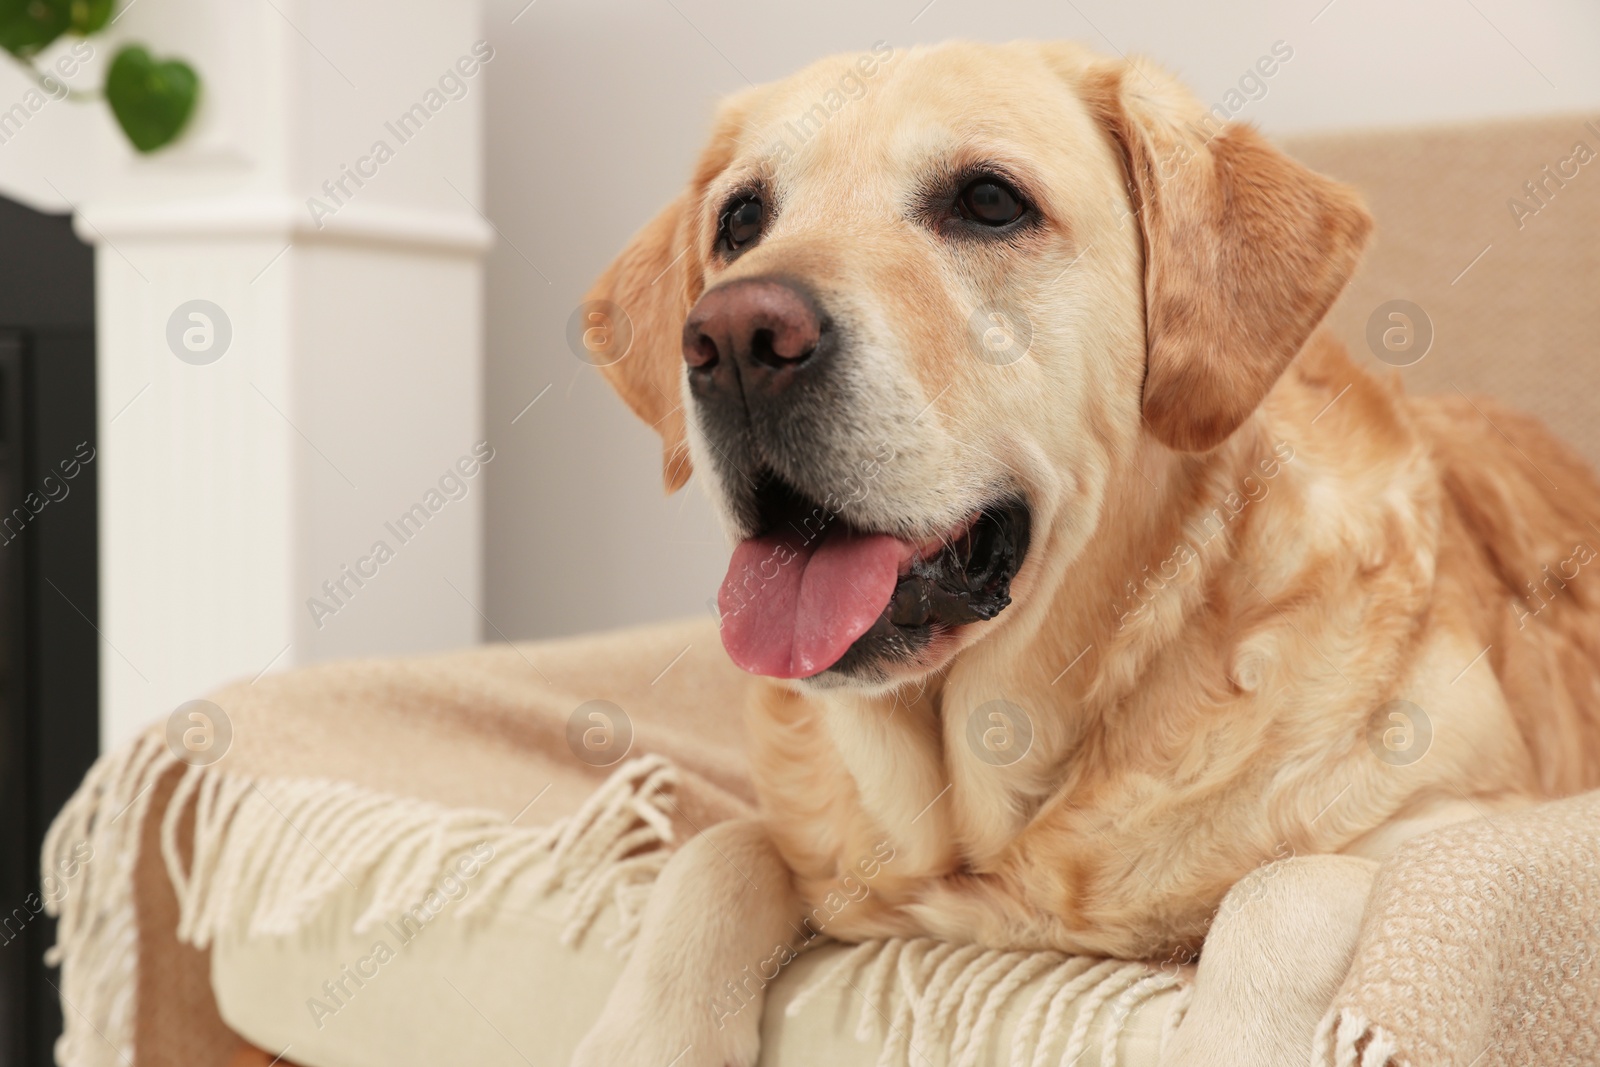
[1279,947]
[721,921]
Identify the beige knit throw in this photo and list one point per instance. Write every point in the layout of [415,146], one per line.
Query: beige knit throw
[1479,945]
[1480,948]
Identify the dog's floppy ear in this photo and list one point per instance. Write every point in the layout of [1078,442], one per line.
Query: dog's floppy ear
[649,285]
[1245,251]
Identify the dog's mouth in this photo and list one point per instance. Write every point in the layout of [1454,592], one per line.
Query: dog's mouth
[810,592]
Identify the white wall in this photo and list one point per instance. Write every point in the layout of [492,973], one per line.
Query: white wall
[600,105]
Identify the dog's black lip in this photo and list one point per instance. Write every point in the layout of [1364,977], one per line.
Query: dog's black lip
[969,581]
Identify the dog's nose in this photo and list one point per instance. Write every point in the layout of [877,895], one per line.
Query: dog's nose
[751,335]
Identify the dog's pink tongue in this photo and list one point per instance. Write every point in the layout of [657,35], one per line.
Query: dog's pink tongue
[790,608]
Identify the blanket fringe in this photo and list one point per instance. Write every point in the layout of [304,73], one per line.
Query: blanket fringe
[266,855]
[96,836]
[263,853]
[927,999]
[1347,1038]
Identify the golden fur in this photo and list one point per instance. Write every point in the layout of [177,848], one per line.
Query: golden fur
[1245,547]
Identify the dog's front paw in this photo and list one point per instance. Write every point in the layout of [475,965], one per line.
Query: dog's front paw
[671,1035]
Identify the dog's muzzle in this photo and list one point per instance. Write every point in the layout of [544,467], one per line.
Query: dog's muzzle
[809,591]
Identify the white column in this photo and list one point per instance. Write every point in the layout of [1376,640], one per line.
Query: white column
[235,483]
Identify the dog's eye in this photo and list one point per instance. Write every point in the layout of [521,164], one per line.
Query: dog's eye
[990,202]
[741,223]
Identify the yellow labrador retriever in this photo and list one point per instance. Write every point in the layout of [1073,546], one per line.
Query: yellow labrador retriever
[1084,576]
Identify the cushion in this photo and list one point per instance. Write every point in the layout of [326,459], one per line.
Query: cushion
[509,946]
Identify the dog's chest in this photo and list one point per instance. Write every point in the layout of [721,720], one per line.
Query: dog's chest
[1088,850]
[1107,867]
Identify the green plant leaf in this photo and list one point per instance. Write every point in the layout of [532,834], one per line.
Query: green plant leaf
[152,101]
[89,15]
[26,26]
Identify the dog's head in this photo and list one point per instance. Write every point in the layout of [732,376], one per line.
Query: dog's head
[916,310]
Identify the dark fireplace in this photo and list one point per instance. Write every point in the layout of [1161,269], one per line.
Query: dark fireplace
[49,591]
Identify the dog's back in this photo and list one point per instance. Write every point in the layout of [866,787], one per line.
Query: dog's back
[1521,552]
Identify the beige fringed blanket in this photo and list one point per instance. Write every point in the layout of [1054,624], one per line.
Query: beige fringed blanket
[384,768]
[1480,946]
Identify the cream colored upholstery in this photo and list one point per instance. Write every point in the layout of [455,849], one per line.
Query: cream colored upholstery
[502,990]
